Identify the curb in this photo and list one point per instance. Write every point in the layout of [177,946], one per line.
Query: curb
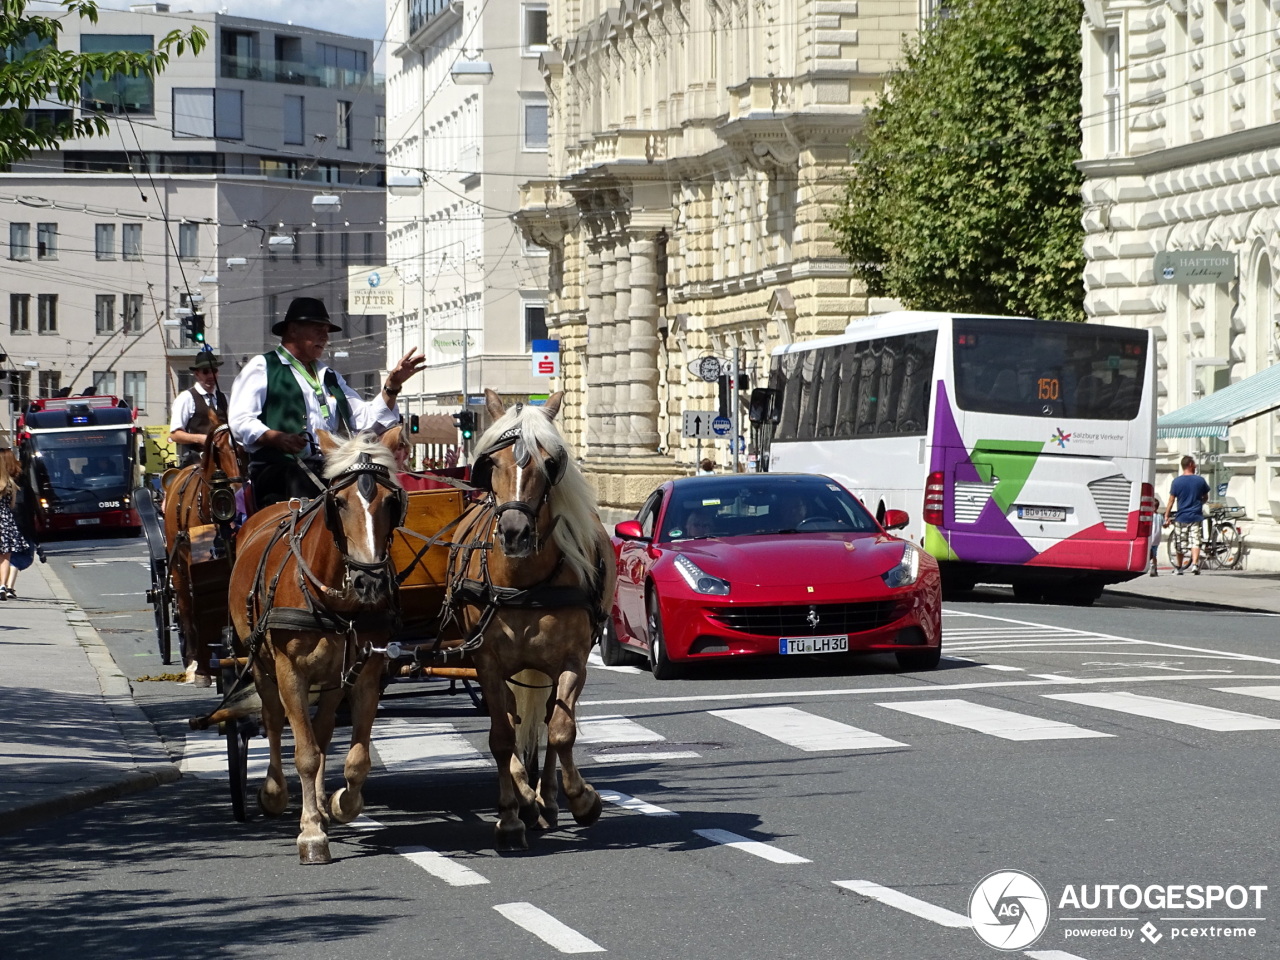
[152,765]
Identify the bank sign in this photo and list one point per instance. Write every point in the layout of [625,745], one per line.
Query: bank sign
[1195,266]
[374,290]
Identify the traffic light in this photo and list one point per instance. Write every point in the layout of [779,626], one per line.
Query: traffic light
[197,327]
[413,423]
[466,423]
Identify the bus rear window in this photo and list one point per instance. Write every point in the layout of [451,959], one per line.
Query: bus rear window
[1036,368]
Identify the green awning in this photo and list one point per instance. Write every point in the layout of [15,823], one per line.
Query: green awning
[1216,414]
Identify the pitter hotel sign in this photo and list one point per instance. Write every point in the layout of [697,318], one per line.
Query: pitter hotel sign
[374,290]
[1195,266]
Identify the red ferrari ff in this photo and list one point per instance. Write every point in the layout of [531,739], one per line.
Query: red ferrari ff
[768,565]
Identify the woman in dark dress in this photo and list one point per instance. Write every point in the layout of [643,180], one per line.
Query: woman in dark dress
[11,539]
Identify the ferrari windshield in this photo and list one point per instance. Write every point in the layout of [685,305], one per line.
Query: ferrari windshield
[761,505]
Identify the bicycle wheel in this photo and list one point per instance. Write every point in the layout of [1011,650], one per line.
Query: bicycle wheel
[1229,540]
[1172,551]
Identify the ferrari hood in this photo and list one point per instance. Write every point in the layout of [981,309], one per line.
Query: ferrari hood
[801,559]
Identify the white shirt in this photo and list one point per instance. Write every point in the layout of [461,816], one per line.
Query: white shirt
[249,393]
[184,407]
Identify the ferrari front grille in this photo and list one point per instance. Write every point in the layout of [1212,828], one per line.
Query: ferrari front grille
[810,620]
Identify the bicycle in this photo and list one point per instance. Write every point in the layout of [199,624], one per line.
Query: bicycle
[1221,543]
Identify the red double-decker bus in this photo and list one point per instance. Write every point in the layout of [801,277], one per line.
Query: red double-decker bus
[80,465]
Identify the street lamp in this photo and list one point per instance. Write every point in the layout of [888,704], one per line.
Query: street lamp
[404,185]
[470,71]
[326,203]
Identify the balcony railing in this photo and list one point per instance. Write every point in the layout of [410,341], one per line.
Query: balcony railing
[301,74]
[421,11]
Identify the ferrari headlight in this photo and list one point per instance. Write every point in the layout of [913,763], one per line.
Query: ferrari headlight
[905,573]
[699,580]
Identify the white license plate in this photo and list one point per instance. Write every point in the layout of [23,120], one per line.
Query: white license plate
[789,645]
[1042,513]
[87,522]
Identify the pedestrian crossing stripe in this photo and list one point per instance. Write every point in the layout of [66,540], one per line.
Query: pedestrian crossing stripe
[1005,724]
[1173,711]
[805,731]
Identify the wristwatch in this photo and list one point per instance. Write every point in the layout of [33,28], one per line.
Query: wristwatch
[389,390]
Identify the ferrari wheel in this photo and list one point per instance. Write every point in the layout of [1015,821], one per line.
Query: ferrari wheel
[913,661]
[659,663]
[612,651]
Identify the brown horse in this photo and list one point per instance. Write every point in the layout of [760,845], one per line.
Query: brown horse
[534,604]
[313,600]
[188,504]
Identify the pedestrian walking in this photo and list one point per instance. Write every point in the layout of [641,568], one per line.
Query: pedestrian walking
[1157,528]
[1188,492]
[11,539]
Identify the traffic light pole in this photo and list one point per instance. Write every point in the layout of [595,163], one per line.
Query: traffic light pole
[734,394]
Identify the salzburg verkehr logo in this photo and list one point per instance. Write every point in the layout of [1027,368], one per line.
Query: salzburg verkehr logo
[1060,438]
[1009,910]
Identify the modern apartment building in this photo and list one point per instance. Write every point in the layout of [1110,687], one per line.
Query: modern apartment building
[1181,126]
[697,151]
[467,123]
[202,198]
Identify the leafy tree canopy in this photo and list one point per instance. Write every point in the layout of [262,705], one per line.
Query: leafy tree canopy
[33,69]
[965,196]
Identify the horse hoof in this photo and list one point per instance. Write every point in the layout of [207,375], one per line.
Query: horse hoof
[272,803]
[548,817]
[592,812]
[313,851]
[338,804]
[510,839]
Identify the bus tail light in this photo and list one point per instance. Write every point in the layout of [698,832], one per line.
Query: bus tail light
[1146,510]
[935,498]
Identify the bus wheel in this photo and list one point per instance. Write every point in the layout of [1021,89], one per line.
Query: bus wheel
[1081,595]
[1028,592]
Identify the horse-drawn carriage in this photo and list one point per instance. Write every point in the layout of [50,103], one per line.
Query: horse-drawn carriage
[316,602]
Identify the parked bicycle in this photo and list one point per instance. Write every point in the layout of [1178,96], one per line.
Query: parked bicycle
[1221,542]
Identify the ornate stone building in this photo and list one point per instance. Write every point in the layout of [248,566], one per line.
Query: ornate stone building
[1181,110]
[697,149]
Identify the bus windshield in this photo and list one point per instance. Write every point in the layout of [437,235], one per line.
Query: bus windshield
[83,466]
[1036,368]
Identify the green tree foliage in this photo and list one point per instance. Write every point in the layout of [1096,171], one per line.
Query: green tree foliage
[34,69]
[965,195]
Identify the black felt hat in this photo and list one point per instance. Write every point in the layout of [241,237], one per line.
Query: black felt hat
[305,310]
[205,360]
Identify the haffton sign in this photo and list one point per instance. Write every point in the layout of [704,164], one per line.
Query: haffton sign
[1187,267]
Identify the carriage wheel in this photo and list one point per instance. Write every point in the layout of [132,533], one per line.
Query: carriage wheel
[238,733]
[159,597]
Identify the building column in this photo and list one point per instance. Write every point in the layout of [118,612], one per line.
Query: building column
[622,345]
[609,440]
[643,344]
[594,345]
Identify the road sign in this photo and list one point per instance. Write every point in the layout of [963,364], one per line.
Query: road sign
[1195,266]
[721,426]
[708,368]
[697,424]
[546,358]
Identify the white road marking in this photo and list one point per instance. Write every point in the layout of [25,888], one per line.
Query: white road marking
[205,756]
[438,865]
[1051,955]
[638,806]
[997,723]
[614,729]
[805,731]
[403,745]
[596,663]
[365,822]
[756,848]
[546,927]
[902,901]
[1267,693]
[1051,676]
[1172,711]
[1001,666]
[639,757]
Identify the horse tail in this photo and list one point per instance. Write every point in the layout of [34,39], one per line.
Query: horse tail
[531,695]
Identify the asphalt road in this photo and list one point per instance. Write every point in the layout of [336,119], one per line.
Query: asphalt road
[807,808]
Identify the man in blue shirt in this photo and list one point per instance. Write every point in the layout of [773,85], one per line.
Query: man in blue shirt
[1189,491]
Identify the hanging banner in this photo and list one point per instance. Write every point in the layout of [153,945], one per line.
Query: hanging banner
[374,290]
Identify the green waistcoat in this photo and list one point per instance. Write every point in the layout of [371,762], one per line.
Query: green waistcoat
[285,407]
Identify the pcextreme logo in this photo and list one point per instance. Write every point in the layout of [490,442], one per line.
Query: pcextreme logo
[1009,910]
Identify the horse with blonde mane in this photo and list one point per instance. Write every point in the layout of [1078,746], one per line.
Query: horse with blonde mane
[314,602]
[188,504]
[531,581]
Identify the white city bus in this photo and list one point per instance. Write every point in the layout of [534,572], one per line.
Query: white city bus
[1022,449]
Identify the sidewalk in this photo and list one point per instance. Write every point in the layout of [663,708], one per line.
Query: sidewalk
[71,735]
[1240,589]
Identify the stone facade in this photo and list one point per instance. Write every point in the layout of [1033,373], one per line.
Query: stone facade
[1181,120]
[697,152]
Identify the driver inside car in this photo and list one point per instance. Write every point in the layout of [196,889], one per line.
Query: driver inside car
[790,514]
[697,524]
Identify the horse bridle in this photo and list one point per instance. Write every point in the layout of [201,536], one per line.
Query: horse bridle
[367,477]
[482,475]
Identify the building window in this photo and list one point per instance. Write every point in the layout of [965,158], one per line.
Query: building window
[294,120]
[1111,92]
[188,241]
[47,241]
[343,59]
[117,92]
[104,383]
[47,312]
[535,124]
[104,241]
[535,323]
[368,250]
[135,389]
[50,383]
[133,313]
[228,115]
[19,390]
[240,55]
[105,311]
[19,241]
[344,124]
[131,241]
[319,248]
[535,27]
[193,112]
[380,133]
[19,313]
